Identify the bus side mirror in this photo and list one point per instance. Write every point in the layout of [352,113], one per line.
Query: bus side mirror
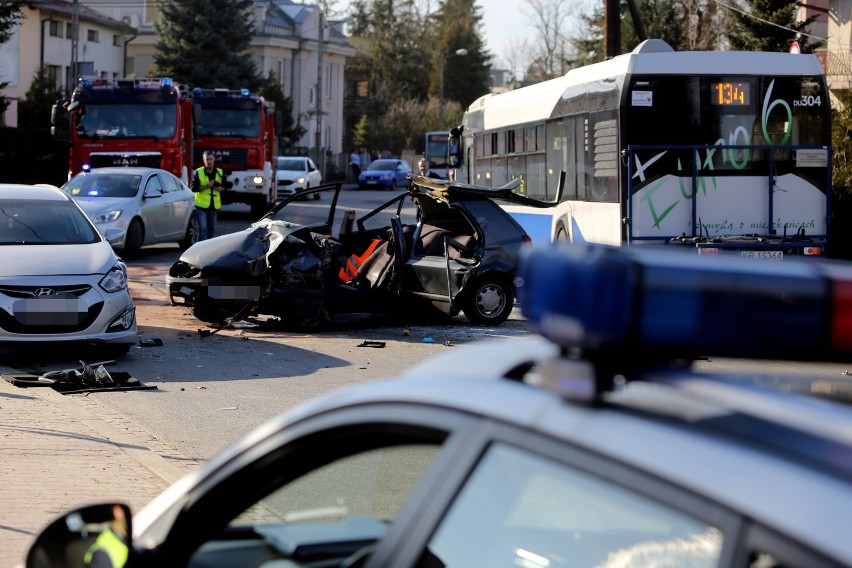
[454,155]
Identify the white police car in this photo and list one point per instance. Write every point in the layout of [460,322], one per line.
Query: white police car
[595,445]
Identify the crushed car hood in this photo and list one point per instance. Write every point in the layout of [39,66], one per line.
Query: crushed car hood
[56,260]
[243,251]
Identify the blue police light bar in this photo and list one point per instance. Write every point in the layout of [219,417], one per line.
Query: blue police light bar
[666,303]
[244,92]
[166,82]
[87,168]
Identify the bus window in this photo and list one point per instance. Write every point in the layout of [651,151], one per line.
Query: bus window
[499,172]
[535,179]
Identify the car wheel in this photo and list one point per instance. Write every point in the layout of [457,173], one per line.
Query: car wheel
[489,301]
[134,238]
[393,185]
[316,196]
[192,232]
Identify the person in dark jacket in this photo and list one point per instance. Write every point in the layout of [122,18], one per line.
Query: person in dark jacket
[423,164]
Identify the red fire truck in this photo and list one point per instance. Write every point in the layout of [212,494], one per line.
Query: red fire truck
[241,129]
[128,122]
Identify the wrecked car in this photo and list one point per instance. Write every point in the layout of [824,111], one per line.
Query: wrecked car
[437,250]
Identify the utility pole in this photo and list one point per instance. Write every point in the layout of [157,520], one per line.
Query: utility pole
[75,42]
[318,136]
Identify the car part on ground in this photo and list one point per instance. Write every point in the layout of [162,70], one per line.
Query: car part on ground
[456,251]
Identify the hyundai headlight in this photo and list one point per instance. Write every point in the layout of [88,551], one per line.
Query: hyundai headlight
[116,279]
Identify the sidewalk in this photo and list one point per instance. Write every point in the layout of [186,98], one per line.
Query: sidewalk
[62,451]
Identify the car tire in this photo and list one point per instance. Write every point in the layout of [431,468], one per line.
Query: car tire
[393,185]
[134,238]
[489,301]
[316,196]
[192,233]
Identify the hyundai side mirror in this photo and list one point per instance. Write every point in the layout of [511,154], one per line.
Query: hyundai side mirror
[79,537]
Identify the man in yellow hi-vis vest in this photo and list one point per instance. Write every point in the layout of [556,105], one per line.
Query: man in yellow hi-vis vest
[207,182]
[111,548]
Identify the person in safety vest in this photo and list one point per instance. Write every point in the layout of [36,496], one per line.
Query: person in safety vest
[111,548]
[207,182]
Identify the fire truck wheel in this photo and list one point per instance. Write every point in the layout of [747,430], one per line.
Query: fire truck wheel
[133,240]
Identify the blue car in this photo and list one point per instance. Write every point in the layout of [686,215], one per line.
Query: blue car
[387,173]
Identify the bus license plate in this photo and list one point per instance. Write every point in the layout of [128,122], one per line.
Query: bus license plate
[764,254]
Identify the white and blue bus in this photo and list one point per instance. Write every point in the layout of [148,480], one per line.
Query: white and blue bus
[723,151]
[436,151]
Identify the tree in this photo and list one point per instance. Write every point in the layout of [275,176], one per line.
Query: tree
[549,57]
[770,25]
[361,133]
[34,108]
[466,77]
[686,25]
[291,128]
[10,15]
[841,177]
[392,42]
[205,43]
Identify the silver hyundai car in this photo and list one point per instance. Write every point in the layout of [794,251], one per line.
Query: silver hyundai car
[60,280]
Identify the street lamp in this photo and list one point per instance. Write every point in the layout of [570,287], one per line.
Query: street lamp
[461,51]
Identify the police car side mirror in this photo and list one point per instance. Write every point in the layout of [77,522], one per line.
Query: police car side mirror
[76,537]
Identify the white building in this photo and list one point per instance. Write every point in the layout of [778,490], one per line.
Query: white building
[117,39]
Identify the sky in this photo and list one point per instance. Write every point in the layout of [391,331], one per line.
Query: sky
[503,23]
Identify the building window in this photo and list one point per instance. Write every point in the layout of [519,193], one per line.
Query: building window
[69,31]
[116,41]
[312,96]
[55,28]
[54,75]
[327,80]
[92,35]
[363,89]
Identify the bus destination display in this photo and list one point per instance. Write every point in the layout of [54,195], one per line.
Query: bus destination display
[731,94]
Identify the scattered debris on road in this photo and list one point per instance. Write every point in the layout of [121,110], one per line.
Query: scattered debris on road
[83,379]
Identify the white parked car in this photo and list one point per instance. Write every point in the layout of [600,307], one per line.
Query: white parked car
[149,204]
[60,280]
[296,173]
